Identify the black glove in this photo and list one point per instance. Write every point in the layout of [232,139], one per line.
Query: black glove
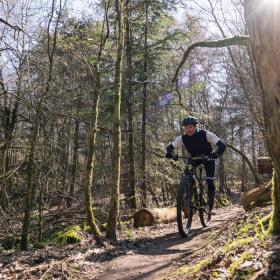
[169,152]
[176,158]
[169,156]
[214,155]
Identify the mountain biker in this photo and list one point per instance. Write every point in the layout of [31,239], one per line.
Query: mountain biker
[197,143]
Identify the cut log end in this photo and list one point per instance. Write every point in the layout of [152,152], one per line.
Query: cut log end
[143,217]
[149,217]
[256,197]
[265,165]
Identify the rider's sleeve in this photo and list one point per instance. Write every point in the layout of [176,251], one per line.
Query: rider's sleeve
[178,142]
[212,138]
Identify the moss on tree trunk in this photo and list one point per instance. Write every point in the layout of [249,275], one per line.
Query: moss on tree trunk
[264,28]
[111,232]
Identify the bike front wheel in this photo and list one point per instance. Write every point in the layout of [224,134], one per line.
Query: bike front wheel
[185,210]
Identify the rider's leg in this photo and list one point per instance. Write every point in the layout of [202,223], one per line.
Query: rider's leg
[210,171]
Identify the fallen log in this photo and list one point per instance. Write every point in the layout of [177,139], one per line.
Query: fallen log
[256,197]
[264,165]
[148,217]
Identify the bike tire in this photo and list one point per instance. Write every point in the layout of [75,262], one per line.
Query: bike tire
[184,195]
[204,215]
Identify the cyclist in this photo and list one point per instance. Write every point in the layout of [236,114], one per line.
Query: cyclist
[197,143]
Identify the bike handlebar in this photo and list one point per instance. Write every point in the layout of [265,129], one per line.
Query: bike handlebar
[201,158]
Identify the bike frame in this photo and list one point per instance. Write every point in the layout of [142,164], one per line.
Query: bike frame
[198,186]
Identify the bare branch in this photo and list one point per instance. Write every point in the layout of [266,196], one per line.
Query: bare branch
[15,27]
[241,40]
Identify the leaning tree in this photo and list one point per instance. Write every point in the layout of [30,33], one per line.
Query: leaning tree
[264,29]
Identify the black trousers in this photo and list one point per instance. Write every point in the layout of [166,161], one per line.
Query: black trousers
[209,167]
[210,172]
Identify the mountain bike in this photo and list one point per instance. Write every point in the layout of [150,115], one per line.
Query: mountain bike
[192,195]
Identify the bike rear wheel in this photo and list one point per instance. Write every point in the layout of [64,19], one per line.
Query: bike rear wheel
[185,210]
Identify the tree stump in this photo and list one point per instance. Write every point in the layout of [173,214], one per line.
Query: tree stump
[264,165]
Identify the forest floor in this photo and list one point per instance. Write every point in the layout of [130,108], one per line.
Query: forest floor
[234,246]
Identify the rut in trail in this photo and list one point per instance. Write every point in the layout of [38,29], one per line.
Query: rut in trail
[158,254]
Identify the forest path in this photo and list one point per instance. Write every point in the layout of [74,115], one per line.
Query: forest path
[163,248]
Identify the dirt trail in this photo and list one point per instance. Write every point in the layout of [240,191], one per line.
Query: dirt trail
[158,254]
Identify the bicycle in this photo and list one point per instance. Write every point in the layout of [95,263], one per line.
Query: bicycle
[191,195]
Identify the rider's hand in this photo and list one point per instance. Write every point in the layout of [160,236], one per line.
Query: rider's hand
[214,155]
[169,156]
[175,158]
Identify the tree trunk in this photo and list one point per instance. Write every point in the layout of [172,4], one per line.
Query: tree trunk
[74,162]
[264,28]
[35,131]
[132,202]
[30,185]
[253,144]
[222,176]
[111,232]
[93,129]
[144,111]
[243,166]
[91,157]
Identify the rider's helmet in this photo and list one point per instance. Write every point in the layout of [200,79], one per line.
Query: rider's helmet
[189,120]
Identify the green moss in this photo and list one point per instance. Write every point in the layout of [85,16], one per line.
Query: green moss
[130,234]
[10,242]
[238,243]
[69,235]
[6,175]
[39,245]
[266,220]
[194,269]
[241,274]
[274,226]
[223,200]
[215,274]
[245,229]
[262,228]
[102,227]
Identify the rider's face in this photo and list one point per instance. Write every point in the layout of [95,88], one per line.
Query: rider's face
[190,129]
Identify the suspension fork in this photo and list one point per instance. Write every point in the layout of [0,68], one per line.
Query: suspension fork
[200,185]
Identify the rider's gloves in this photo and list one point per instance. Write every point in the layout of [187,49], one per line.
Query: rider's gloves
[169,155]
[221,148]
[175,158]
[169,152]
[214,155]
